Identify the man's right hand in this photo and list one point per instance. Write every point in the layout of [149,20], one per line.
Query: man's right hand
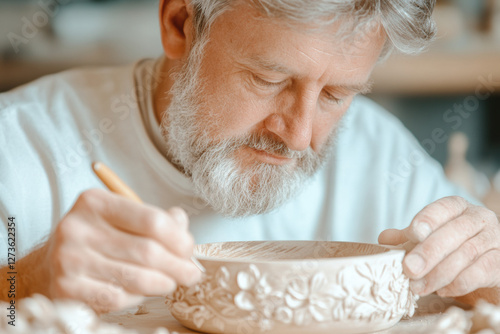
[109,252]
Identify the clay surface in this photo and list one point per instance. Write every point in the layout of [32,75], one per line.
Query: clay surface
[295,287]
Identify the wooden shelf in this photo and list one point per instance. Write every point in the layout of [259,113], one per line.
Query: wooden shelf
[436,73]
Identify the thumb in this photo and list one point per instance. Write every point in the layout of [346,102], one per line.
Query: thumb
[392,237]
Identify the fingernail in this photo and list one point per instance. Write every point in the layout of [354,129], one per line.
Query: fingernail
[415,263]
[418,286]
[422,230]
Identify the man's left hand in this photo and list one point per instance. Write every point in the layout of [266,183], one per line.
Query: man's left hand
[457,248]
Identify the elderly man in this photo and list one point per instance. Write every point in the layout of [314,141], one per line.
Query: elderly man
[250,124]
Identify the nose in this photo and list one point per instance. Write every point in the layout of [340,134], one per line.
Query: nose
[294,122]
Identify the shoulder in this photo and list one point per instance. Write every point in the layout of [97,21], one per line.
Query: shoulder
[37,115]
[45,121]
[60,93]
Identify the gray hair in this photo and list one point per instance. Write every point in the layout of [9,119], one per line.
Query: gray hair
[407,23]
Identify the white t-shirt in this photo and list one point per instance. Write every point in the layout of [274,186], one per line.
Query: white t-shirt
[51,131]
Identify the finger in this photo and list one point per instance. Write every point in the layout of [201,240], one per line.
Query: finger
[136,218]
[450,268]
[148,253]
[484,273]
[160,226]
[102,297]
[134,279]
[434,216]
[180,216]
[392,237]
[441,243]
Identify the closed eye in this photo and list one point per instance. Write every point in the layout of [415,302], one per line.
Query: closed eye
[261,82]
[333,99]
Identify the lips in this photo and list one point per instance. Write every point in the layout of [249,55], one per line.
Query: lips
[270,158]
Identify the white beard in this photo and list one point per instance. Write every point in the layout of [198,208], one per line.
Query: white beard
[217,176]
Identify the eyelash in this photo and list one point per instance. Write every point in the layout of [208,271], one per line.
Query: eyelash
[261,82]
[265,83]
[333,99]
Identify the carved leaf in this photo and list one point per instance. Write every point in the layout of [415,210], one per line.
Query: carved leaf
[302,317]
[181,307]
[321,301]
[219,324]
[222,277]
[298,289]
[220,303]
[229,311]
[365,271]
[386,296]
[318,282]
[200,316]
[319,314]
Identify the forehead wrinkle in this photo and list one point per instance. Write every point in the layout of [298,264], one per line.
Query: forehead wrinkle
[323,52]
[308,57]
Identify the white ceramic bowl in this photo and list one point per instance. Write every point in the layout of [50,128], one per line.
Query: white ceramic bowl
[295,287]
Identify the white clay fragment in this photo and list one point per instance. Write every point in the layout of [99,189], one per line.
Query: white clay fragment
[453,321]
[484,319]
[39,315]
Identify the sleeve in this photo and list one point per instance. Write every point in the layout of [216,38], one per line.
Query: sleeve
[24,193]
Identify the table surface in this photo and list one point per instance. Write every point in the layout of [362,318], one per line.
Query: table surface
[428,313]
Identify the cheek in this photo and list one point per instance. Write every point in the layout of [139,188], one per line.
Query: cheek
[230,110]
[323,127]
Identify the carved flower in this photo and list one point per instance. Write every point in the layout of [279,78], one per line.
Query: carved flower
[200,315]
[179,295]
[309,299]
[254,290]
[380,278]
[407,302]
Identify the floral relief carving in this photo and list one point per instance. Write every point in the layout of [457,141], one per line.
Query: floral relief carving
[379,292]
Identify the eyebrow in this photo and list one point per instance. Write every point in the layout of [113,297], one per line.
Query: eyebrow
[269,65]
[359,88]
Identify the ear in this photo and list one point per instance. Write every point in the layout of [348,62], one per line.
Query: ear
[176,22]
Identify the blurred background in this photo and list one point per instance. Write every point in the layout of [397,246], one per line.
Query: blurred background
[449,97]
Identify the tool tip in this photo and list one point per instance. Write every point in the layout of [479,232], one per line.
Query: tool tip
[198,264]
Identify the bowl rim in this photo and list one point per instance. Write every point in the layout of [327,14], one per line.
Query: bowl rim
[390,252]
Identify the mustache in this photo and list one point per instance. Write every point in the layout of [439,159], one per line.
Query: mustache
[266,143]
